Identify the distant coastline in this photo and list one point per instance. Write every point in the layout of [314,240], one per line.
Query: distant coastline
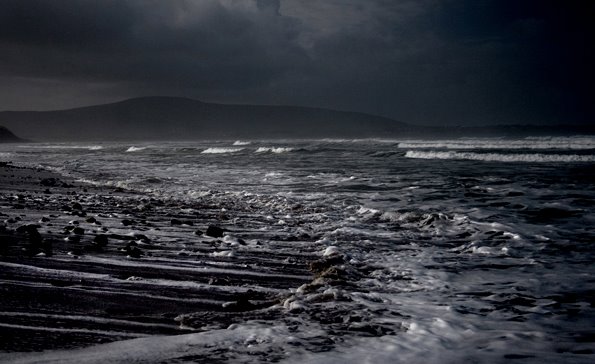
[174,118]
[7,136]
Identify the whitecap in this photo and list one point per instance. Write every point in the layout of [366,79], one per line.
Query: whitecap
[135,149]
[498,157]
[568,143]
[241,142]
[276,150]
[218,150]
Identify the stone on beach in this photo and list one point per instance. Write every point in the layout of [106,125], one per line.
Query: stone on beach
[214,231]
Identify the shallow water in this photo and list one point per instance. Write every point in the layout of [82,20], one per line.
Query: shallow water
[475,249]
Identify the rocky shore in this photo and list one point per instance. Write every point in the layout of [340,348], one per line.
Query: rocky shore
[83,265]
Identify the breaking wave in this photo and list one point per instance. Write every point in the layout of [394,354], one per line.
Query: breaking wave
[533,143]
[276,150]
[135,149]
[241,142]
[216,150]
[498,157]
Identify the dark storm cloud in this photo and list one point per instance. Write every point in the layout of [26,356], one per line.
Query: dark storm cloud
[200,44]
[60,23]
[426,61]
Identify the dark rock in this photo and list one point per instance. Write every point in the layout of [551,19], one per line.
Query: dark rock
[214,231]
[100,240]
[91,220]
[142,238]
[321,265]
[175,222]
[198,232]
[29,228]
[77,206]
[79,231]
[134,252]
[74,239]
[44,219]
[127,222]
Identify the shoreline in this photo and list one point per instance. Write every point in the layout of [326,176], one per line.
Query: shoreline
[86,264]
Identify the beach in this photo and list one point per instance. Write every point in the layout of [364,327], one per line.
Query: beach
[327,250]
[83,265]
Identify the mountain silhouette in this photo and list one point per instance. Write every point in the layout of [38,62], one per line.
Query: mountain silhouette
[177,118]
[174,118]
[6,136]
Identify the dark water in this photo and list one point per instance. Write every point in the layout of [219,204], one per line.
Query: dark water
[478,250]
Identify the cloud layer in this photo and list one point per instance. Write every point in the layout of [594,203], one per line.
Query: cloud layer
[429,61]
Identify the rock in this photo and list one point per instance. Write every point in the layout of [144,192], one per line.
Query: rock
[175,222]
[29,228]
[127,222]
[44,219]
[100,240]
[91,220]
[198,232]
[79,231]
[214,231]
[142,238]
[318,267]
[133,252]
[77,206]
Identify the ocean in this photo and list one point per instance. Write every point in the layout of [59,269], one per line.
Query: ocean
[475,250]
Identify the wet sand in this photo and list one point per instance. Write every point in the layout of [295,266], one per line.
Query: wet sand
[82,264]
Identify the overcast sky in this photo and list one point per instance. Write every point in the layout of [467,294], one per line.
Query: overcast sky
[442,62]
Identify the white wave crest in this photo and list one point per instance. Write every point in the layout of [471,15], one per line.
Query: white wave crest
[497,157]
[135,149]
[221,150]
[241,142]
[276,150]
[572,143]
